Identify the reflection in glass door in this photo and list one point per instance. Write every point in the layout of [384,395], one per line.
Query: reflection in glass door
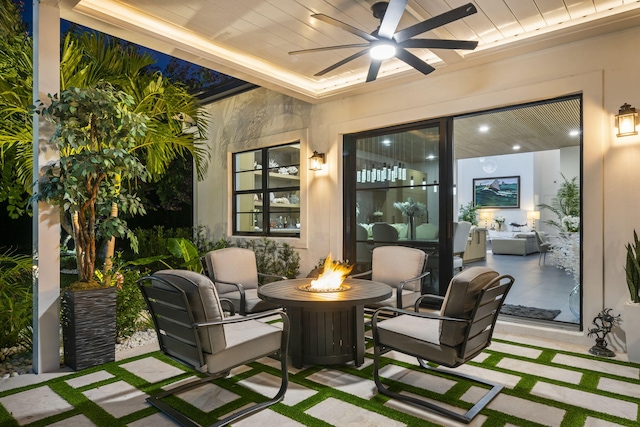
[392,193]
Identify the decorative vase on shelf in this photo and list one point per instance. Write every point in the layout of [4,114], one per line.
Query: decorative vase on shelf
[411,224]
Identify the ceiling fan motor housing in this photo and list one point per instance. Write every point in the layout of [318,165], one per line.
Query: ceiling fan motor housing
[379,9]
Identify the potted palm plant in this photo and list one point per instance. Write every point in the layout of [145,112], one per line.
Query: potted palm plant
[95,134]
[632,307]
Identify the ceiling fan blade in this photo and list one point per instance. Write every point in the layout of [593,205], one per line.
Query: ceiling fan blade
[321,49]
[353,30]
[414,61]
[439,44]
[391,19]
[373,69]
[341,63]
[435,22]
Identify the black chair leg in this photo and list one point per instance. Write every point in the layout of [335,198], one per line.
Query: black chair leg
[465,418]
[156,400]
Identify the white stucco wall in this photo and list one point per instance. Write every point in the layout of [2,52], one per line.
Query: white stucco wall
[599,68]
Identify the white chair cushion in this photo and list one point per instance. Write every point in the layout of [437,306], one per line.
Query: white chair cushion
[235,265]
[415,336]
[394,264]
[248,340]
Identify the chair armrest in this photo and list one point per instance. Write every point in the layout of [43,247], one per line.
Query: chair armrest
[238,319]
[432,297]
[243,298]
[400,287]
[232,309]
[357,275]
[374,318]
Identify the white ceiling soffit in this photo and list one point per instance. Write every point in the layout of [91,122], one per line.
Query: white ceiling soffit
[250,39]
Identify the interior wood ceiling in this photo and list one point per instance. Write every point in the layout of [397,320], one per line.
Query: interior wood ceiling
[250,39]
[537,127]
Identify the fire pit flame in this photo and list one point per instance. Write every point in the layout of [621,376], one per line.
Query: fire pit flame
[331,278]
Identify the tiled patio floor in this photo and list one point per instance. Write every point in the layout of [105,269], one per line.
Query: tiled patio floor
[558,398]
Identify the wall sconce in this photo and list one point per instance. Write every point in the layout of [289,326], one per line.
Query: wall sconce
[626,120]
[533,216]
[316,161]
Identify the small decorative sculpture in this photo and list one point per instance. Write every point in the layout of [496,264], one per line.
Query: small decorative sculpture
[604,322]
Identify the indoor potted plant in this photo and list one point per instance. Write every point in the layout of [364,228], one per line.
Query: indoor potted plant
[632,307]
[97,172]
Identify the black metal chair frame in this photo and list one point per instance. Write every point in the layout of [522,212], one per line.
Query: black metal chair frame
[486,305]
[171,312]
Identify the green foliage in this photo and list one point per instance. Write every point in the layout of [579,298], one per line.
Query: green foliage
[96,131]
[154,247]
[188,251]
[88,58]
[16,83]
[468,213]
[131,315]
[632,268]
[280,259]
[566,203]
[15,300]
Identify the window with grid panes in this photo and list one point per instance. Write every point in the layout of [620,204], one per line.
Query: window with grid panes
[266,191]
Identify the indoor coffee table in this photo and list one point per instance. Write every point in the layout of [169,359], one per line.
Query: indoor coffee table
[326,327]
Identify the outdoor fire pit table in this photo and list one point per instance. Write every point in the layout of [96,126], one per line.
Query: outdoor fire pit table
[327,328]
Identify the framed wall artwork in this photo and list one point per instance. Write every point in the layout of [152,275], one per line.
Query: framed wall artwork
[499,193]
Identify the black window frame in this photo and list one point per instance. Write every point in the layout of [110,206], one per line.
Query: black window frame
[264,195]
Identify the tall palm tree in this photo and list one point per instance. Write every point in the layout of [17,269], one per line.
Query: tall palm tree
[88,58]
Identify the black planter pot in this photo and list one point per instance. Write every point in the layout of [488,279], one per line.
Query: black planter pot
[89,327]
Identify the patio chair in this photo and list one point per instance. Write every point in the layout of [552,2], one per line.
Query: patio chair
[452,337]
[460,238]
[383,232]
[543,247]
[235,274]
[191,327]
[400,267]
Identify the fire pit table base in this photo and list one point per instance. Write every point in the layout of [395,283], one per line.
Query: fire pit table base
[326,328]
[326,337]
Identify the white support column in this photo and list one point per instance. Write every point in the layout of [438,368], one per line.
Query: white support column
[46,218]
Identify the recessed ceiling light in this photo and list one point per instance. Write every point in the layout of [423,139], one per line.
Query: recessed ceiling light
[574,133]
[516,147]
[431,157]
[386,142]
[483,128]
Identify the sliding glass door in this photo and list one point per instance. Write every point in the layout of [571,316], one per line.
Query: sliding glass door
[519,168]
[514,173]
[395,194]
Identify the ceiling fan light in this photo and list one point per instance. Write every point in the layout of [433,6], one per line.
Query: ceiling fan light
[382,51]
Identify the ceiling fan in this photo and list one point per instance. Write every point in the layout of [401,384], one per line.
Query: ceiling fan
[385,42]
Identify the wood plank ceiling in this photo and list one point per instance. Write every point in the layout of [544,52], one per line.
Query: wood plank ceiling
[250,39]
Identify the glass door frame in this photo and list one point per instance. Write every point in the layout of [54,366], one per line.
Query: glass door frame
[445,195]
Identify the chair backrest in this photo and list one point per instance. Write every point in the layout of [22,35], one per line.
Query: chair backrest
[539,237]
[234,265]
[476,294]
[363,253]
[395,264]
[460,236]
[176,300]
[383,232]
[427,231]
